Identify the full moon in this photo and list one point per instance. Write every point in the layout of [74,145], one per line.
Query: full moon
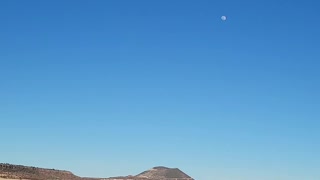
[223,18]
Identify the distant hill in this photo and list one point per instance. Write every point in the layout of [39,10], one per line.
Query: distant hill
[164,173]
[9,171]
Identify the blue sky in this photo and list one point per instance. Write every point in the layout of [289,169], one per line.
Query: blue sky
[107,88]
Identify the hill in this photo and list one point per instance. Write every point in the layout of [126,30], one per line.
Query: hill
[9,172]
[161,172]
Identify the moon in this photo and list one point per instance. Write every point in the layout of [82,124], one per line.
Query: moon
[223,18]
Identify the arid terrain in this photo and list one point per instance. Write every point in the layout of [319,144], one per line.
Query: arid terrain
[14,172]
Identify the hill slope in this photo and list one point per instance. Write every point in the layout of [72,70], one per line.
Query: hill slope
[9,171]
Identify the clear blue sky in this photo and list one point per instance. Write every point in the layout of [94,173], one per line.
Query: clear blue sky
[106,88]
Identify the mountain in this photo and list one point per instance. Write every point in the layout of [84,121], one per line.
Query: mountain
[161,172]
[10,172]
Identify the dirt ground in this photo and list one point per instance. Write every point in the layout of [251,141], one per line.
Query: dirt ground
[12,179]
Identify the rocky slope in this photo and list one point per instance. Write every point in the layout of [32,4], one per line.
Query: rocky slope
[9,171]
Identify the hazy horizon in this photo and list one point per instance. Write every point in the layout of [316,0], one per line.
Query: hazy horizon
[108,88]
